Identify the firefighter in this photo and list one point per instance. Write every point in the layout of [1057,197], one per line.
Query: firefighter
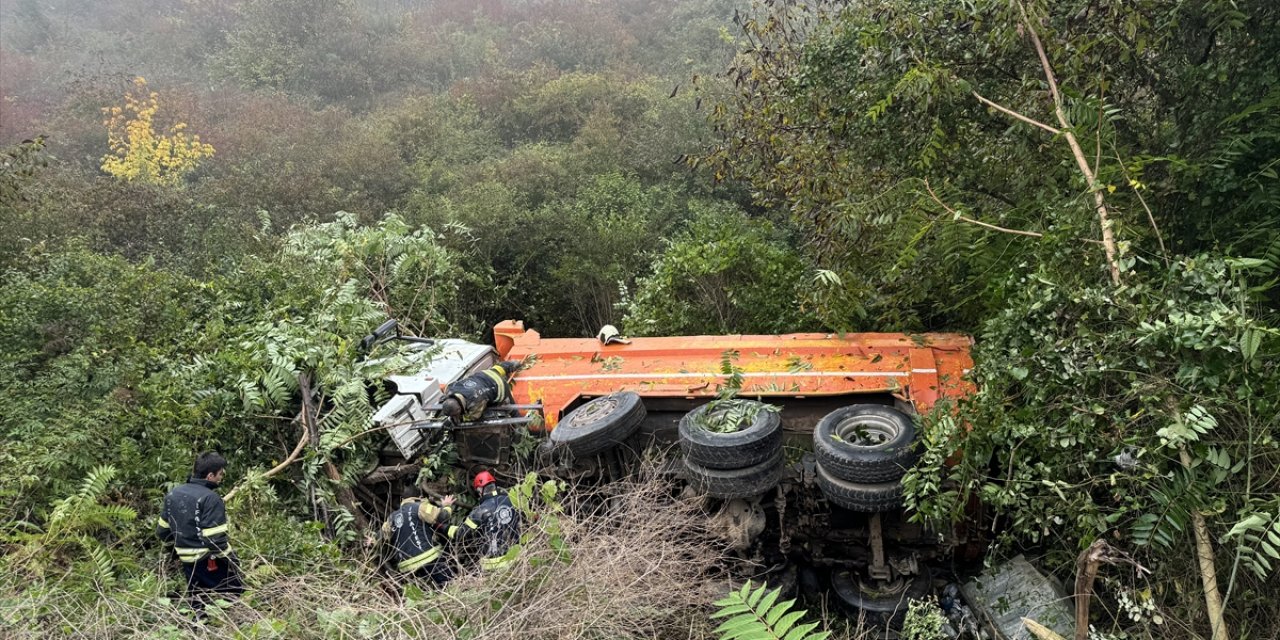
[411,531]
[492,528]
[468,398]
[194,519]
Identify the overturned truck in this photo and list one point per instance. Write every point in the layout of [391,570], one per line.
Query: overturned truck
[803,466]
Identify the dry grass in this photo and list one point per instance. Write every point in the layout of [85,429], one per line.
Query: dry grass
[637,566]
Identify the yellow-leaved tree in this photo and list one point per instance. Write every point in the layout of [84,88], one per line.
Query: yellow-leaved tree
[138,152]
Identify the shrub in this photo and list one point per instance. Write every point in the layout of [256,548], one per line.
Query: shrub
[723,273]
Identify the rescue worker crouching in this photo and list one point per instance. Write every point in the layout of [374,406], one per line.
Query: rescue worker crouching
[468,398]
[411,532]
[491,529]
[194,519]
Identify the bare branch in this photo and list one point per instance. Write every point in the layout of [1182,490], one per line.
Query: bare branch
[390,472]
[1108,237]
[1164,253]
[962,218]
[293,456]
[987,225]
[1097,135]
[1015,114]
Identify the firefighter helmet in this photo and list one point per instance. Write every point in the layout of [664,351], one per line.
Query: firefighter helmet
[483,479]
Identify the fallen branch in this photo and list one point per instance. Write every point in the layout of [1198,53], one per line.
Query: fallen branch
[1098,553]
[293,457]
[1040,631]
[389,473]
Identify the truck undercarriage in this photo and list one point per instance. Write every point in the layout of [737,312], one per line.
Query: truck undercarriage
[807,494]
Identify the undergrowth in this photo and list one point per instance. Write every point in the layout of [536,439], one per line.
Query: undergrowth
[595,563]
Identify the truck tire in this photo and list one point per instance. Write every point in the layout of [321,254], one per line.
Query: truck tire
[746,447]
[736,483]
[599,424]
[865,498]
[883,607]
[865,443]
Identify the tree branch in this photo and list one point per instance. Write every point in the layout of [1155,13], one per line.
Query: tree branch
[962,218]
[1150,217]
[1087,563]
[987,225]
[1208,572]
[1108,237]
[293,456]
[390,472]
[1014,114]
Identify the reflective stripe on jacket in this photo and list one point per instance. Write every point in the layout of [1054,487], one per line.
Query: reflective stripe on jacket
[194,519]
[477,391]
[490,530]
[422,559]
[411,531]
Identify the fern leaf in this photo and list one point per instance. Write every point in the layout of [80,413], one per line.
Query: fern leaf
[755,613]
[103,566]
[802,633]
[777,612]
[1257,537]
[784,624]
[731,608]
[765,604]
[745,626]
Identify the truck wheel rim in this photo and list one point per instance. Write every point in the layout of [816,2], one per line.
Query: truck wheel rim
[866,431]
[595,410]
[882,590]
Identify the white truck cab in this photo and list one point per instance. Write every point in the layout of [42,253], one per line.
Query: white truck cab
[433,366]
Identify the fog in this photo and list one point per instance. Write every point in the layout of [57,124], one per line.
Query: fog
[59,59]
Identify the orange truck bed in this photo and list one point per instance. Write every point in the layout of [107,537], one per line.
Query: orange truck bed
[919,369]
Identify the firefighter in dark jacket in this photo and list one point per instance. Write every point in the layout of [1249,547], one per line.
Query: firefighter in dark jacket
[492,528]
[467,398]
[411,531]
[194,519]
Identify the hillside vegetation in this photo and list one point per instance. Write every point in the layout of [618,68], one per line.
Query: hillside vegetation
[205,204]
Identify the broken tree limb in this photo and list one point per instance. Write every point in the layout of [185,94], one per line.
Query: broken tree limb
[389,473]
[1086,572]
[1040,631]
[293,457]
[319,508]
[343,494]
[1098,554]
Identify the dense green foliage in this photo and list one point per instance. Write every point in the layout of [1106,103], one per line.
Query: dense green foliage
[697,284]
[921,147]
